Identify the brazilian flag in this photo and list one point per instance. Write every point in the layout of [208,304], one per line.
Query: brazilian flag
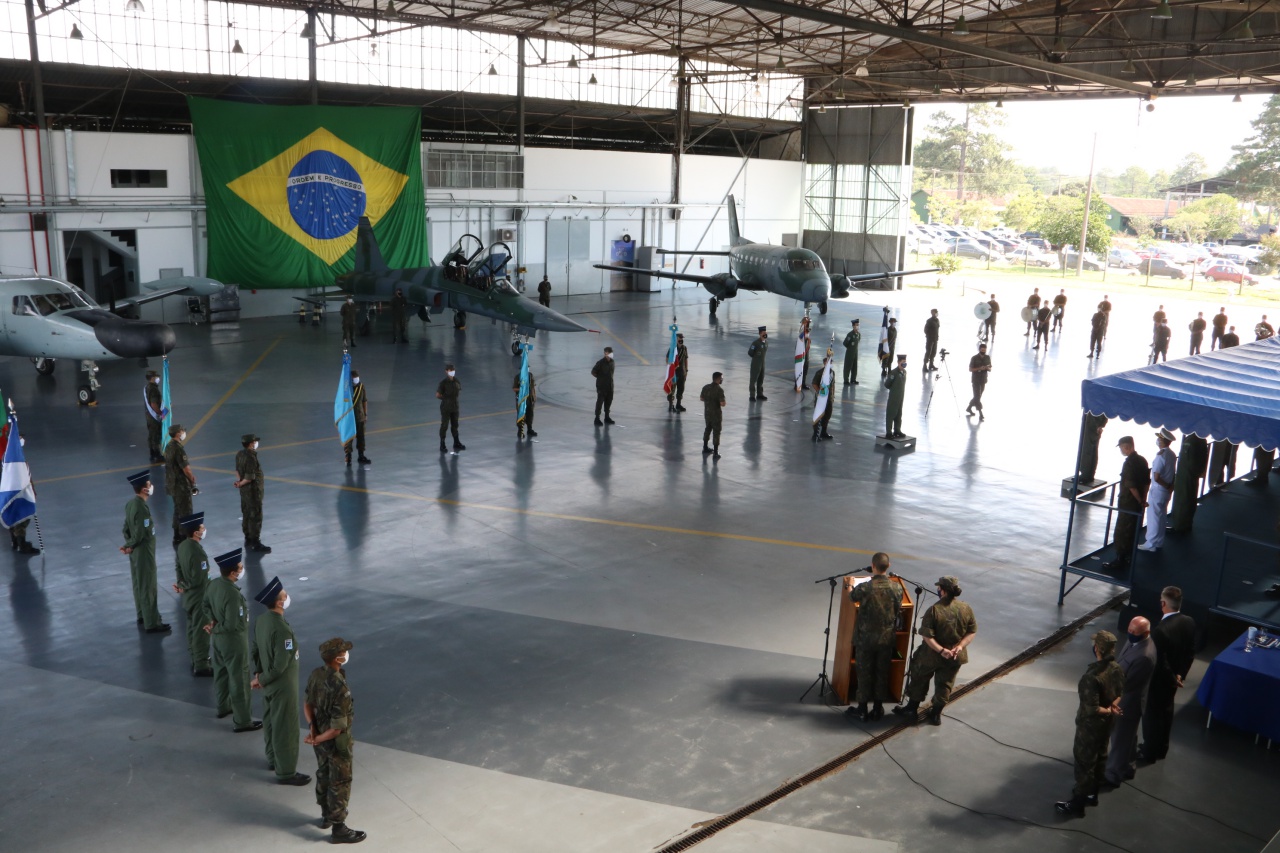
[286,187]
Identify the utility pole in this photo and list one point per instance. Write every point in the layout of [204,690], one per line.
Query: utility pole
[1088,201]
[964,152]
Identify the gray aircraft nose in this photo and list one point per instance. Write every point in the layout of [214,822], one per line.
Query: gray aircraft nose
[553,321]
[135,338]
[817,290]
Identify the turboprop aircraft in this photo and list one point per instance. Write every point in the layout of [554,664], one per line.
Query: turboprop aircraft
[472,278]
[45,319]
[786,271]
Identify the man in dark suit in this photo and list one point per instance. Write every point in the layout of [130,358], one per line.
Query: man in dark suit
[1175,641]
[1137,658]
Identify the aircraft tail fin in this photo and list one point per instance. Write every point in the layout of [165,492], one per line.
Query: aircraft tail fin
[734,237]
[368,255]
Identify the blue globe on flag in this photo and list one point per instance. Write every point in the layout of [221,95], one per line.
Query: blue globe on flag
[326,195]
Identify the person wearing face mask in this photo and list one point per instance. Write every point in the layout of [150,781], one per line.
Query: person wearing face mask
[275,666]
[178,479]
[1137,660]
[226,615]
[447,393]
[192,569]
[252,485]
[348,314]
[603,372]
[359,408]
[155,414]
[140,547]
[330,713]
[1099,690]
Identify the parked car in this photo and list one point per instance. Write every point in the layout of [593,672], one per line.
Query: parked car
[1160,266]
[1123,258]
[1029,256]
[1227,271]
[1091,261]
[1040,243]
[1173,254]
[968,248]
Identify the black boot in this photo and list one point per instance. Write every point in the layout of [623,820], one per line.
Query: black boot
[348,458]
[934,717]
[715,452]
[458,445]
[443,449]
[25,547]
[364,460]
[680,408]
[343,834]
[877,712]
[1073,807]
[532,434]
[911,710]
[862,712]
[705,450]
[256,545]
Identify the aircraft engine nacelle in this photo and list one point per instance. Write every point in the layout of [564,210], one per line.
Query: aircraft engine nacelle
[839,286]
[723,286]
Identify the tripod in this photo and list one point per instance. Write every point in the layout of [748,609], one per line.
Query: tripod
[822,682]
[920,589]
[936,375]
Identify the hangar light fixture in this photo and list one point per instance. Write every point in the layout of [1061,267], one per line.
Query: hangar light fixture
[861,70]
[573,62]
[135,6]
[593,81]
[1059,45]
[1244,32]
[1162,11]
[391,8]
[75,33]
[552,24]
[822,108]
[1191,80]
[999,103]
[1237,99]
[493,72]
[236,48]
[1129,68]
[961,28]
[780,65]
[373,48]
[308,32]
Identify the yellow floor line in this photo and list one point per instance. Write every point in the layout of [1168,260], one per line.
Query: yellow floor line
[620,341]
[191,433]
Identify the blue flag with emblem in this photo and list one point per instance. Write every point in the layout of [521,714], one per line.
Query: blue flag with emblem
[522,396]
[167,406]
[17,498]
[344,413]
[285,189]
[673,358]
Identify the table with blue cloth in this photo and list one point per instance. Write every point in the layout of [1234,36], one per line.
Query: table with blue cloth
[1243,689]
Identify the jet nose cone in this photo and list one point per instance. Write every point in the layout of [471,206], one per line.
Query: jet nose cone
[136,338]
[552,321]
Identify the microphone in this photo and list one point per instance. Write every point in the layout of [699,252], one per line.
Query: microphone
[864,569]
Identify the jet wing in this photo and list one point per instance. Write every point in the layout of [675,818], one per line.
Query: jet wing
[678,276]
[324,298]
[149,297]
[879,276]
[688,252]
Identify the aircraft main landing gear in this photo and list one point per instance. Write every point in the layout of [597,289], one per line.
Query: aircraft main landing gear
[88,394]
[44,366]
[713,305]
[822,307]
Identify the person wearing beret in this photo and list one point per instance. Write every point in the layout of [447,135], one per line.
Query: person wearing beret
[330,713]
[275,667]
[154,401]
[178,479]
[946,631]
[252,484]
[896,382]
[140,546]
[192,569]
[1099,690]
[226,616]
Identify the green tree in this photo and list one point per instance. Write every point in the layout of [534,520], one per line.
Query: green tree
[1256,164]
[1192,168]
[1269,260]
[1133,182]
[1023,211]
[1063,216]
[1217,217]
[946,264]
[988,168]
[1144,228]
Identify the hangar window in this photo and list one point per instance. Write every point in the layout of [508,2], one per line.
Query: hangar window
[474,170]
[139,178]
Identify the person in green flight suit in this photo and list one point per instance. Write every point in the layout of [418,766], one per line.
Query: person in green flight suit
[946,631]
[330,712]
[155,414]
[1099,690]
[179,481]
[713,403]
[879,604]
[140,546]
[851,342]
[896,382]
[1193,465]
[399,318]
[359,408]
[348,314]
[252,484]
[447,393]
[758,349]
[676,397]
[275,667]
[602,370]
[192,570]
[226,616]
[544,292]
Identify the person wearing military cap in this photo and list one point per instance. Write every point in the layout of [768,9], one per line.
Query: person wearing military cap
[1099,689]
[602,370]
[879,603]
[675,400]
[896,382]
[945,633]
[156,412]
[447,392]
[192,569]
[140,546]
[330,713]
[359,408]
[226,616]
[252,484]
[757,351]
[178,479]
[713,403]
[1135,478]
[851,342]
[275,667]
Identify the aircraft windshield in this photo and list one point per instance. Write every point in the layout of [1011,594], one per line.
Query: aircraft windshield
[506,287]
[801,264]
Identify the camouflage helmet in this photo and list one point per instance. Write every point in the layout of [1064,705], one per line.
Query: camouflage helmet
[949,584]
[330,649]
[1105,642]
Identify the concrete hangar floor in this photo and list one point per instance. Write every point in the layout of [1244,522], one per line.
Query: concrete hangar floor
[597,640]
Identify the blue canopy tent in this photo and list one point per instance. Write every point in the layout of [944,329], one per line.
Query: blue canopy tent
[1231,395]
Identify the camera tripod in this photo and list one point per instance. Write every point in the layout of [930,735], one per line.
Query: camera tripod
[936,375]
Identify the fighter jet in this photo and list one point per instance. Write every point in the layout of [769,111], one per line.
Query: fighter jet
[45,319]
[472,278]
[794,273]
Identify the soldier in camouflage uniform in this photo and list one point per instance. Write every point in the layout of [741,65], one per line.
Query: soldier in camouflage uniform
[447,393]
[178,479]
[192,569]
[348,314]
[155,414]
[330,714]
[879,603]
[275,664]
[252,484]
[946,631]
[226,616]
[1100,688]
[140,547]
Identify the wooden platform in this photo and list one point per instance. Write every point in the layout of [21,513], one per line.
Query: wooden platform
[907,442]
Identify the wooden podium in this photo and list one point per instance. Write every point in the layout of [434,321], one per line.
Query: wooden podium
[844,678]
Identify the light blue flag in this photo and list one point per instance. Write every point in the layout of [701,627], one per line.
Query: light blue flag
[166,407]
[344,413]
[17,498]
[669,385]
[522,401]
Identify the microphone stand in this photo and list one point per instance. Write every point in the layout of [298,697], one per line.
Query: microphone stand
[822,682]
[920,590]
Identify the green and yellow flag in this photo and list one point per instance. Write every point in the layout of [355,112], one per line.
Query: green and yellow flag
[286,187]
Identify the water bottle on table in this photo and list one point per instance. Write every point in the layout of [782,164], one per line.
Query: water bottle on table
[1251,639]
